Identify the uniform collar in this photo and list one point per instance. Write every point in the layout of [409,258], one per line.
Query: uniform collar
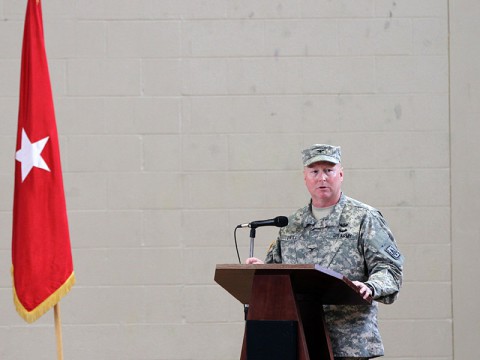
[331,220]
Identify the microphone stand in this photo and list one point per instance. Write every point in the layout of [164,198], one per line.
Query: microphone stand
[252,238]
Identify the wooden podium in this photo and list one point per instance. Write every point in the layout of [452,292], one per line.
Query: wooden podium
[295,293]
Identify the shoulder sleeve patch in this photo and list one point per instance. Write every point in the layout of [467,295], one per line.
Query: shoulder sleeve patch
[392,251]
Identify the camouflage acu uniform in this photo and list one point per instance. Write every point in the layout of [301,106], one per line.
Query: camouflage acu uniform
[355,241]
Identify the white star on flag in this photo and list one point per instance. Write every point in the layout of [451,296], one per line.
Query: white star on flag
[30,154]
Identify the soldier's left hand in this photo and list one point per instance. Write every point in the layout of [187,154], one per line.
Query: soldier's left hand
[363,288]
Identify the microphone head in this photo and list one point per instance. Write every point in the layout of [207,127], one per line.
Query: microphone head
[281,221]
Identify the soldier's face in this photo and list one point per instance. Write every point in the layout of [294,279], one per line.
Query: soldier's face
[324,182]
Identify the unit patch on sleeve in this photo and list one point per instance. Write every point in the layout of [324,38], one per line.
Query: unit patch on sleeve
[390,250]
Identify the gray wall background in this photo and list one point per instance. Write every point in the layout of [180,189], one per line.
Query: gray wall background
[180,119]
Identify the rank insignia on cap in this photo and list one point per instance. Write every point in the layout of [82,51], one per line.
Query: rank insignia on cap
[321,152]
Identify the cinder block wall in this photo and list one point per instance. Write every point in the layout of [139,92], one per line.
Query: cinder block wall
[181,119]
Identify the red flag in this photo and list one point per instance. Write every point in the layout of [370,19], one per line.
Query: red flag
[42,267]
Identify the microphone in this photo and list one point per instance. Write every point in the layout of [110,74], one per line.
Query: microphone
[279,221]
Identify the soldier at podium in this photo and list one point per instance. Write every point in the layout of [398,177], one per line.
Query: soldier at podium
[349,237]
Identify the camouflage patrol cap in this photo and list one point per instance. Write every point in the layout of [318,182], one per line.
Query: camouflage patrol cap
[321,152]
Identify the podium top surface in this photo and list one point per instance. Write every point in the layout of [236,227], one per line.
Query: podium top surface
[324,285]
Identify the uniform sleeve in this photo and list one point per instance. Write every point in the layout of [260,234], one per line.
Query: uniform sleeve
[274,255]
[274,252]
[383,259]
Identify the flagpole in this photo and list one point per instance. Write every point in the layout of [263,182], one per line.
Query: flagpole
[58,331]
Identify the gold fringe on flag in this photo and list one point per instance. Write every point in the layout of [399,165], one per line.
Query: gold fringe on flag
[47,304]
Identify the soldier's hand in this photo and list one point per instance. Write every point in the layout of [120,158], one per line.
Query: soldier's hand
[253,260]
[363,288]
